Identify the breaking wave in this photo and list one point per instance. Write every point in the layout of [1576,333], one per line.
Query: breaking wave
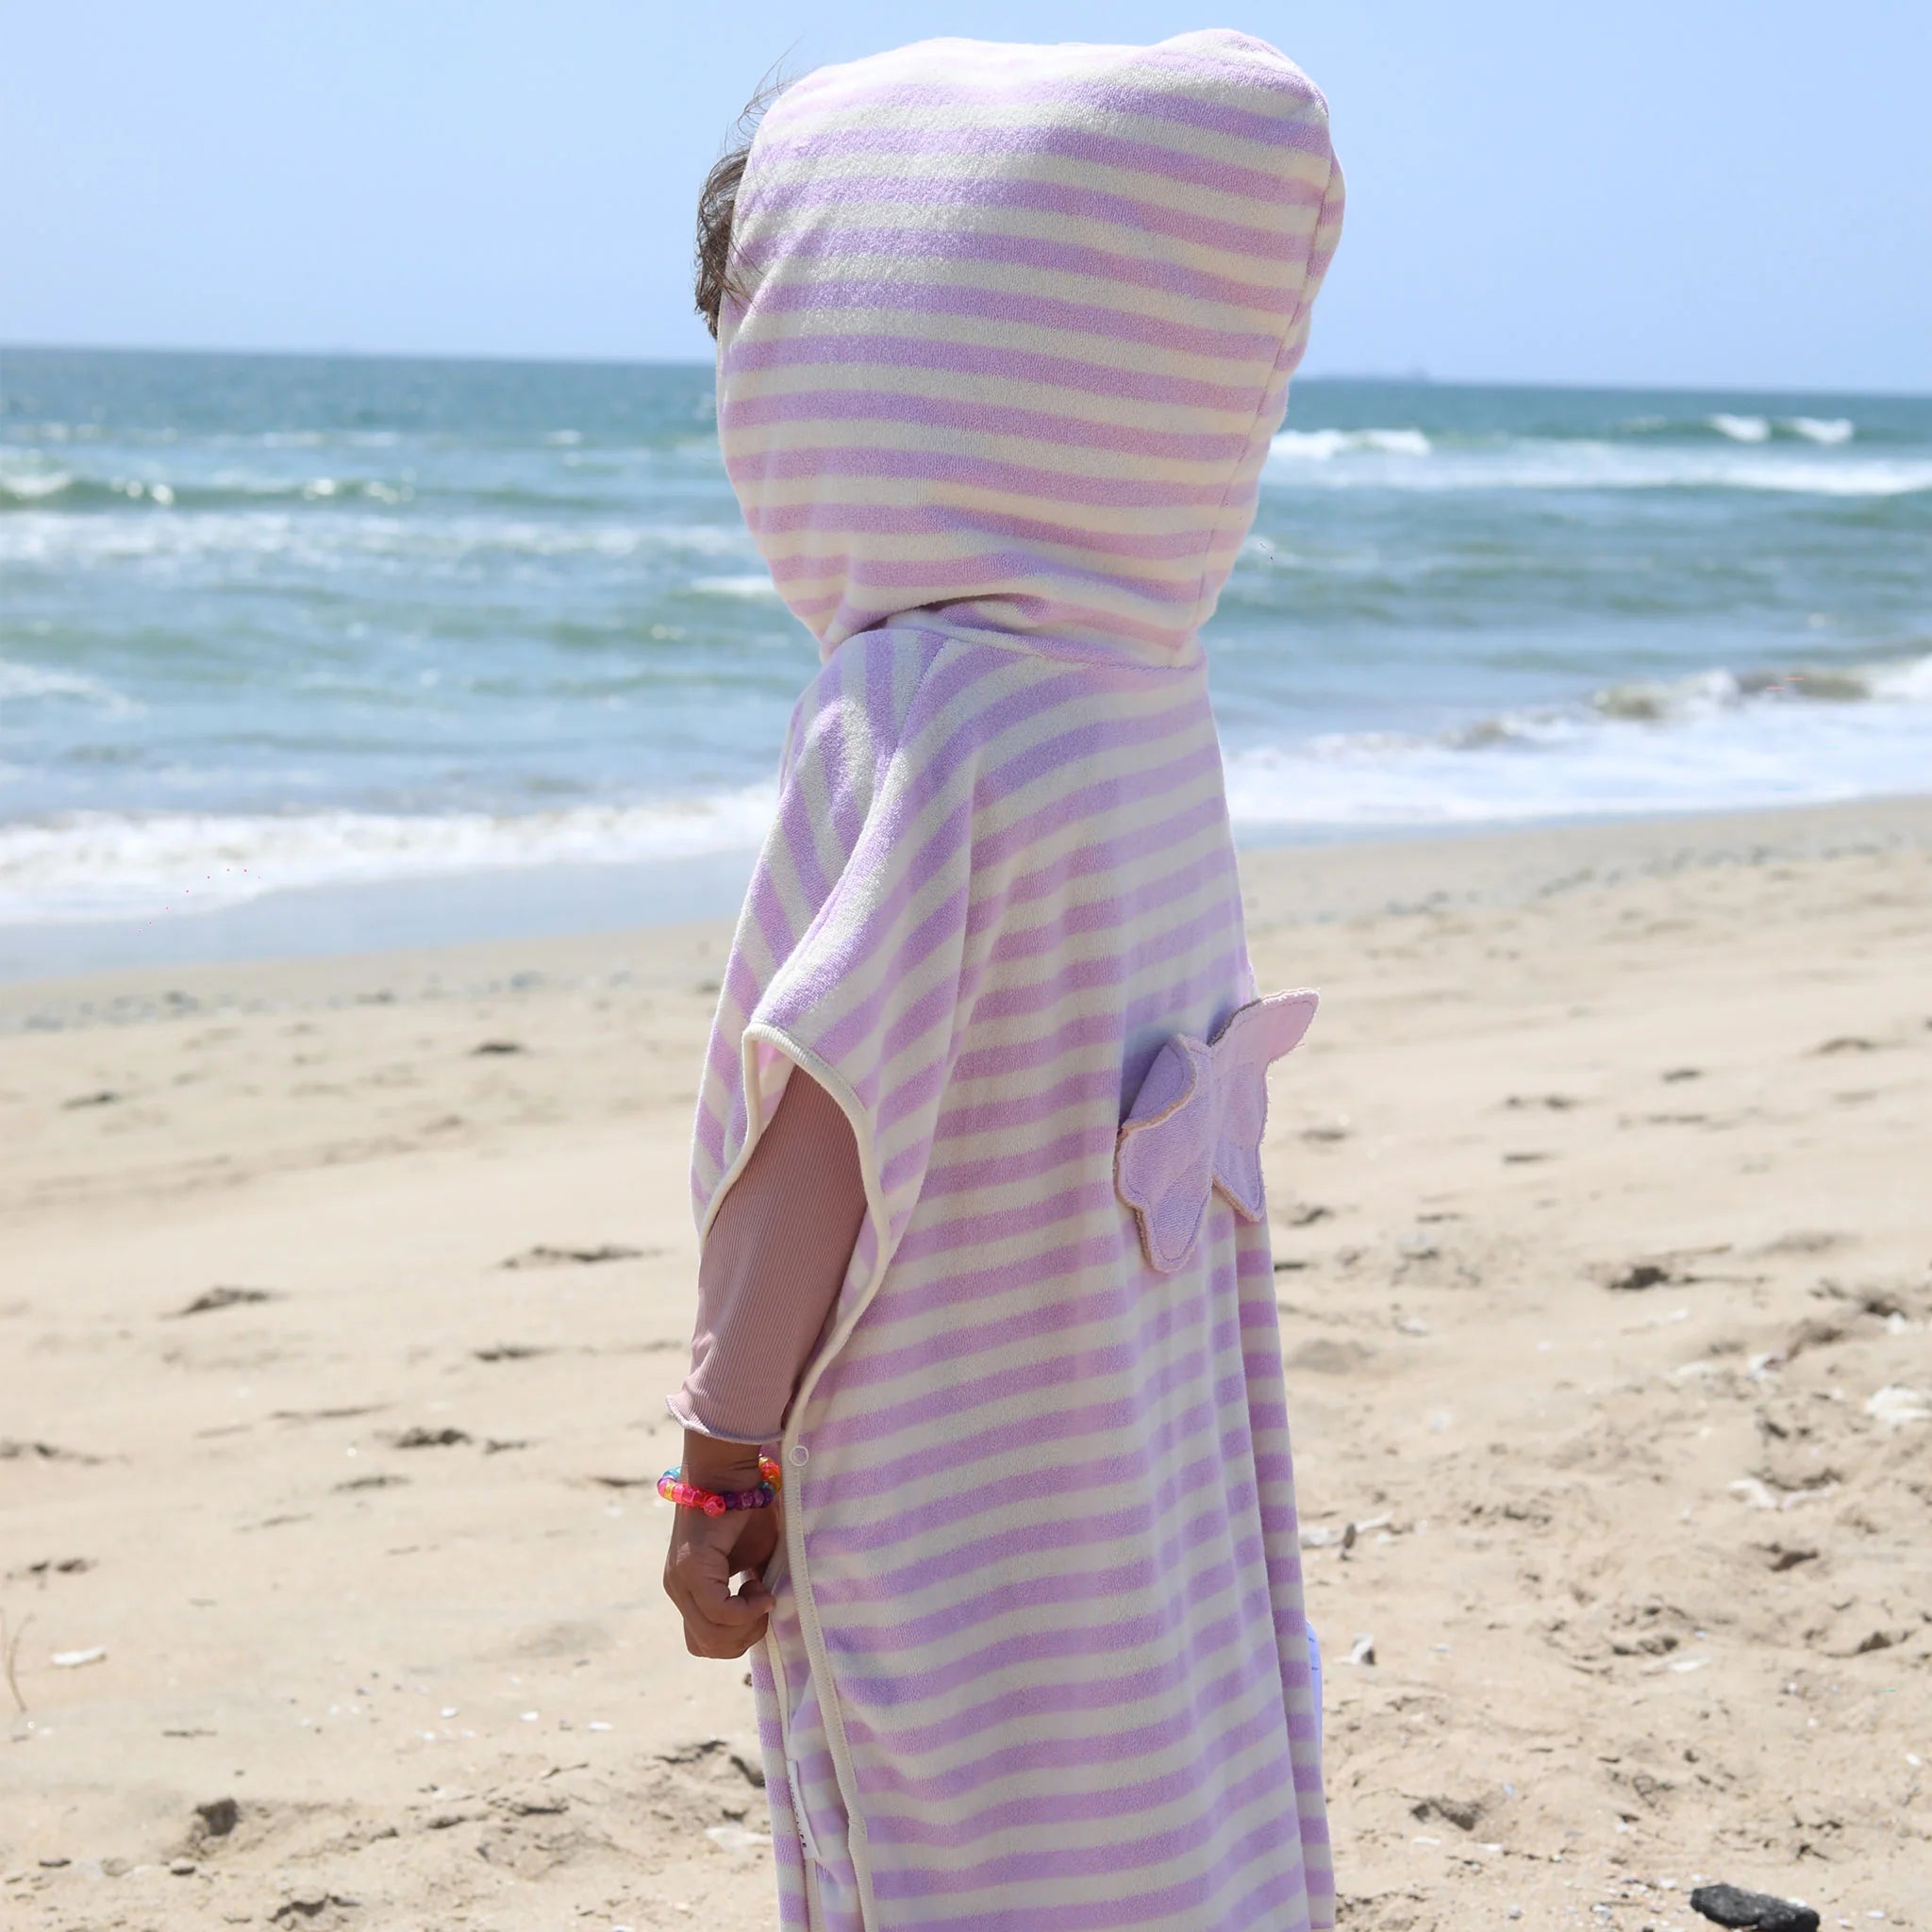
[1799,455]
[99,865]
[1720,739]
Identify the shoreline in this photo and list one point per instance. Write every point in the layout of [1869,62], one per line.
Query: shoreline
[557,927]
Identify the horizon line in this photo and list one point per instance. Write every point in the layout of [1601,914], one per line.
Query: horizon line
[1416,379]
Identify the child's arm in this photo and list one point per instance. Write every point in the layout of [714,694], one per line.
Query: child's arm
[772,1267]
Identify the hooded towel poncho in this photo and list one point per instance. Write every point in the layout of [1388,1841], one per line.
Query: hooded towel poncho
[1016,328]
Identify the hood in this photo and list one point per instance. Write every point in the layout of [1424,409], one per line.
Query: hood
[1017,327]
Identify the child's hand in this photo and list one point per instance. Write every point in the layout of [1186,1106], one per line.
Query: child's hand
[707,1551]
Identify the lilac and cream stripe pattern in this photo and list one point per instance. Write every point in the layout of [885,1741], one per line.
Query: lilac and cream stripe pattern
[1017,325]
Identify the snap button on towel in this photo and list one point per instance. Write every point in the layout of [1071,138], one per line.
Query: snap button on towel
[1196,1125]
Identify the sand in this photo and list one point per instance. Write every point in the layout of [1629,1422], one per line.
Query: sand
[338,1298]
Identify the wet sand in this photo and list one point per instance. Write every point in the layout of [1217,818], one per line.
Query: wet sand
[338,1298]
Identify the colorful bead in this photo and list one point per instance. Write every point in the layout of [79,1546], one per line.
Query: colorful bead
[673,1488]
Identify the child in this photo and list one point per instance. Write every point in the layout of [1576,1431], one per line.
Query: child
[1003,335]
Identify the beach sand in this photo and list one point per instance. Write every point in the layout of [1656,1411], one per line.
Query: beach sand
[338,1300]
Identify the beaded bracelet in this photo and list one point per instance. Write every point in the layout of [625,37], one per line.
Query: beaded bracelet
[673,1488]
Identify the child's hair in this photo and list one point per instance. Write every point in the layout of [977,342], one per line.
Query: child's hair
[717,278]
[717,202]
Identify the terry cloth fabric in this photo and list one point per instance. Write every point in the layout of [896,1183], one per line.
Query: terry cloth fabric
[1016,328]
[771,1269]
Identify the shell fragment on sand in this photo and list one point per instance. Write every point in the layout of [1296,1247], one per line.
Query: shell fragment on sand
[1895,1406]
[735,1838]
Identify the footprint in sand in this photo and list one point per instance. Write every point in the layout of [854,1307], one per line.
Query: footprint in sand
[544,1256]
[11,1451]
[214,1298]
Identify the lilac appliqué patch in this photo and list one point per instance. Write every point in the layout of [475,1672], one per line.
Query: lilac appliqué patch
[1196,1125]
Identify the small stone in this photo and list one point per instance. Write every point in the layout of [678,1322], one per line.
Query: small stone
[54,1864]
[1751,1911]
[1638,1276]
[219,1816]
[113,1868]
[183,1867]
[1362,1650]
[446,1437]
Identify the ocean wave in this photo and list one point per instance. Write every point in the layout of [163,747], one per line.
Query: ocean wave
[746,586]
[1584,463]
[99,865]
[1657,701]
[1323,445]
[1720,739]
[73,490]
[66,491]
[347,538]
[1825,430]
[1747,426]
[20,681]
[30,489]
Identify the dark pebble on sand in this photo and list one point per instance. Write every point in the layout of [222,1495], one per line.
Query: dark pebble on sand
[1638,1276]
[219,1816]
[1751,1911]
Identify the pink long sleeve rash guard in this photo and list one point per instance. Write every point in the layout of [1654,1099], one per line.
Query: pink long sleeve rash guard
[771,1269]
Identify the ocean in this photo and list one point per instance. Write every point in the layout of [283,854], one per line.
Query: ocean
[275,622]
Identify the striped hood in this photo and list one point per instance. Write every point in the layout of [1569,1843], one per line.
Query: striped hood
[1017,327]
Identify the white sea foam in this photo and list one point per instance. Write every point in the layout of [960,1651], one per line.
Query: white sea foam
[20,681]
[1715,741]
[1323,445]
[97,865]
[1825,430]
[331,538]
[1906,682]
[32,486]
[1588,463]
[747,586]
[1741,428]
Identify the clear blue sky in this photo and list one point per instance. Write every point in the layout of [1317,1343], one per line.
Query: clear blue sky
[1710,191]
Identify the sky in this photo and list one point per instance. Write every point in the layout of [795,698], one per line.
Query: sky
[1708,193]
